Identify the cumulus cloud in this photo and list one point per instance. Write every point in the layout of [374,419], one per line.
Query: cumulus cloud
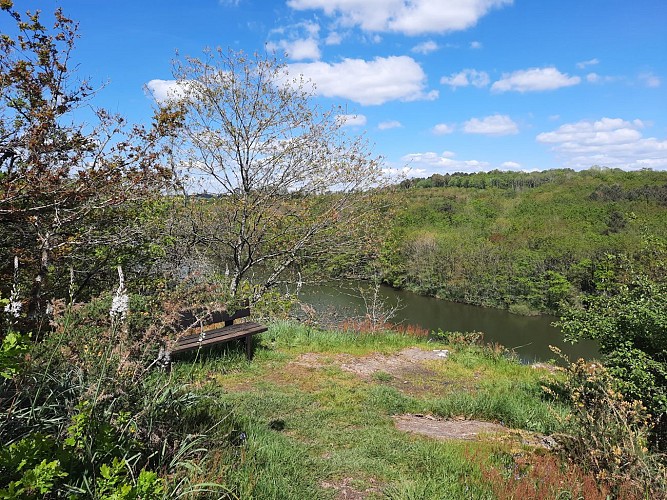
[303,49]
[389,125]
[297,50]
[585,64]
[410,17]
[163,90]
[610,142]
[302,41]
[510,165]
[443,129]
[368,82]
[466,77]
[351,120]
[592,78]
[534,79]
[400,173]
[475,45]
[443,163]
[425,47]
[491,125]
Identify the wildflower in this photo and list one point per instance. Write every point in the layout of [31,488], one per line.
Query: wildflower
[14,306]
[121,300]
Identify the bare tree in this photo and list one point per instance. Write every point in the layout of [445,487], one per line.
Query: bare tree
[288,183]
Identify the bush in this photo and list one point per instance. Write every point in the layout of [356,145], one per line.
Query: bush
[630,323]
[608,435]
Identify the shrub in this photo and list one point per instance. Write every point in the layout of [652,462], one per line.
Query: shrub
[607,434]
[629,320]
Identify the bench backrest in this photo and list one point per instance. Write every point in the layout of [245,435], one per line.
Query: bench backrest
[192,318]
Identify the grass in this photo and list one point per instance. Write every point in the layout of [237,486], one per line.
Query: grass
[318,431]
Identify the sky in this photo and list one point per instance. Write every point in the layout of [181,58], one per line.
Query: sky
[436,86]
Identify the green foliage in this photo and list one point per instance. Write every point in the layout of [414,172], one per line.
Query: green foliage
[71,193]
[13,347]
[113,483]
[35,482]
[527,242]
[629,320]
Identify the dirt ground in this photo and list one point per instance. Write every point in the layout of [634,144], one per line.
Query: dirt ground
[404,370]
[403,361]
[409,374]
[468,430]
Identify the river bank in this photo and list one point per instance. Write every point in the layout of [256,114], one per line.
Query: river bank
[529,336]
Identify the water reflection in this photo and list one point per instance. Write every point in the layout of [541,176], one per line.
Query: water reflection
[530,337]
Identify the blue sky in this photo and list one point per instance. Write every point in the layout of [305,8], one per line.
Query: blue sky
[436,85]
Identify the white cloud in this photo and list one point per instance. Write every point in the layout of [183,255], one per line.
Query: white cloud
[466,77]
[351,120]
[389,125]
[425,47]
[297,50]
[534,79]
[491,125]
[443,163]
[410,17]
[368,82]
[650,80]
[510,165]
[443,129]
[599,79]
[590,62]
[301,43]
[610,142]
[401,173]
[592,78]
[475,45]
[333,38]
[162,90]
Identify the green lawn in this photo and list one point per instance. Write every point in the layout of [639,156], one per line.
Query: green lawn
[302,425]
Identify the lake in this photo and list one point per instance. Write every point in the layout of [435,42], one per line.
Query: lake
[529,336]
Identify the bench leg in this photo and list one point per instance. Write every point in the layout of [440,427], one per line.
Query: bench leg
[248,347]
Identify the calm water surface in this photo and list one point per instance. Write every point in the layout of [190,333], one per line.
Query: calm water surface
[530,336]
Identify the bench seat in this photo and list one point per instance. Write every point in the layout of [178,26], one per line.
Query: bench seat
[218,335]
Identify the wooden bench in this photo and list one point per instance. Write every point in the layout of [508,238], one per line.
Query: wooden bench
[216,328]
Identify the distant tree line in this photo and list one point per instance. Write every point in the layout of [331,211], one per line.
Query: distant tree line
[493,179]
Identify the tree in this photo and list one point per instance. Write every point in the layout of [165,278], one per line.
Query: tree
[289,186]
[62,183]
[628,318]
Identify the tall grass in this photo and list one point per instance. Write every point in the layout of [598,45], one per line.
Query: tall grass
[84,417]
